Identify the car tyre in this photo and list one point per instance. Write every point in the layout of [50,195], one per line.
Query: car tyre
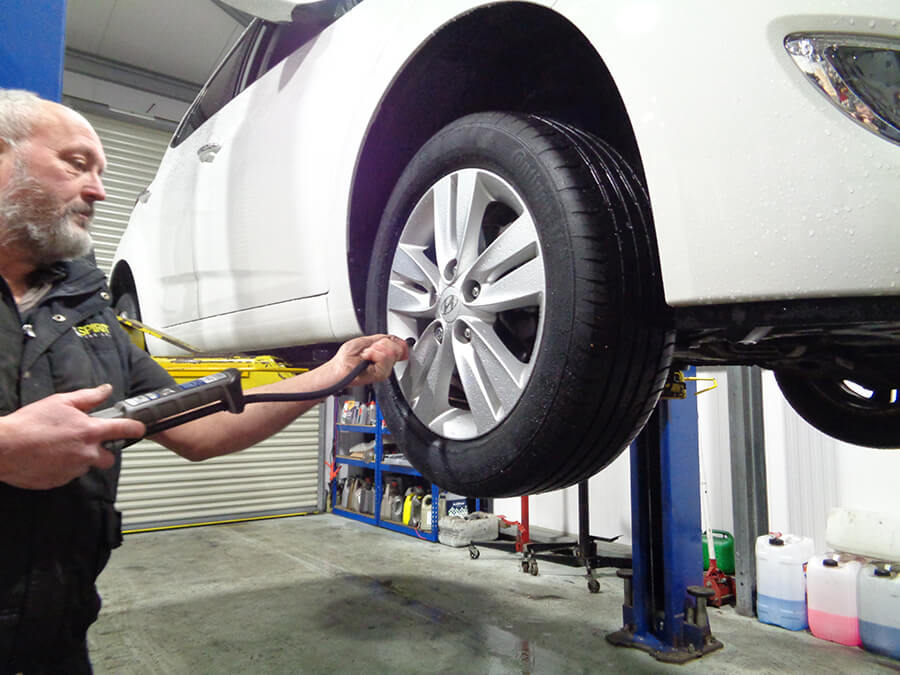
[843,410]
[546,375]
[126,306]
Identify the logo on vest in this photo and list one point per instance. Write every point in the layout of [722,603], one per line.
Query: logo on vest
[91,331]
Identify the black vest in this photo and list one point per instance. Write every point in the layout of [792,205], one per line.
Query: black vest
[54,543]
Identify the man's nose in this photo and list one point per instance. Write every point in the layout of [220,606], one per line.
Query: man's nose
[92,190]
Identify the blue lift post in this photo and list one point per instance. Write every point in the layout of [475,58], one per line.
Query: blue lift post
[665,601]
[32,45]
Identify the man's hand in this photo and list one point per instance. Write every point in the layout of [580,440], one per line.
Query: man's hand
[383,350]
[48,443]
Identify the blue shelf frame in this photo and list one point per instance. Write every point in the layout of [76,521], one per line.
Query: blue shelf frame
[379,467]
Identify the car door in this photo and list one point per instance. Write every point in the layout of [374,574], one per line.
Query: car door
[247,248]
[182,194]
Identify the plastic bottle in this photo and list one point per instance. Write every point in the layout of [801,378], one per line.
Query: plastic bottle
[391,489]
[878,597]
[831,598]
[396,509]
[425,519]
[781,579]
[357,497]
[723,545]
[415,516]
[367,500]
[407,505]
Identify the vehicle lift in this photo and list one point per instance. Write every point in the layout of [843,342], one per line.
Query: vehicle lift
[664,612]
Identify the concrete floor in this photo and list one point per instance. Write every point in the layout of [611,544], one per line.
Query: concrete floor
[323,594]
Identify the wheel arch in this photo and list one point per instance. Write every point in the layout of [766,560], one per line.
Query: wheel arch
[483,60]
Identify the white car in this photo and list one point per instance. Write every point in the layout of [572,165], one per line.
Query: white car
[553,202]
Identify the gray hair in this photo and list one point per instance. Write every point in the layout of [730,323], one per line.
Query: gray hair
[18,111]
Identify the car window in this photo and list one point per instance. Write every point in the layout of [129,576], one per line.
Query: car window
[308,21]
[222,86]
[258,53]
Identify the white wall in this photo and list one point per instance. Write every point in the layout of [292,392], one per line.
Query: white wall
[610,490]
[609,495]
[807,474]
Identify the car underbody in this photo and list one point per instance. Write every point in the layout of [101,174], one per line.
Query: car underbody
[852,338]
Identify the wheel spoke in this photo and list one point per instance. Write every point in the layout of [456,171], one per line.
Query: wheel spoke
[485,406]
[472,200]
[523,287]
[502,363]
[426,379]
[413,265]
[492,377]
[413,284]
[407,300]
[444,221]
[454,419]
[516,245]
[460,200]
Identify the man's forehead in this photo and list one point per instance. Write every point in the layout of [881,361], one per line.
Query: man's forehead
[62,128]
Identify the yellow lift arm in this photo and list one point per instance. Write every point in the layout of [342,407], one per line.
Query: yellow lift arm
[254,370]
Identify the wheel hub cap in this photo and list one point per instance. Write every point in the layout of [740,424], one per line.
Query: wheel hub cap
[450,305]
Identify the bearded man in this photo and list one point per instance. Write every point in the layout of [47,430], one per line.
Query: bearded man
[58,523]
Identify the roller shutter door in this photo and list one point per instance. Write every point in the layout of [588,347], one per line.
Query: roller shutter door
[133,154]
[281,475]
[158,488]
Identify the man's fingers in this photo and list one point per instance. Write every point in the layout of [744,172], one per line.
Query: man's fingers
[88,399]
[114,430]
[384,352]
[388,347]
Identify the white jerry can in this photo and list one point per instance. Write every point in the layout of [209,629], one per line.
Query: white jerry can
[781,579]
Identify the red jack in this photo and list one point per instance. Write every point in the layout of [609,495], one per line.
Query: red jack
[721,583]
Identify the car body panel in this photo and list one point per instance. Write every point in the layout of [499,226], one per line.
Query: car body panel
[760,189]
[824,190]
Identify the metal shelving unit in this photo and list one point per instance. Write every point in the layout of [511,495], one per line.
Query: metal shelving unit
[379,467]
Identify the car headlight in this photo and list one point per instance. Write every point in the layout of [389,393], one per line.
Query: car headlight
[859,74]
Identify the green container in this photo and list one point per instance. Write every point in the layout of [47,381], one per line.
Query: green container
[724,544]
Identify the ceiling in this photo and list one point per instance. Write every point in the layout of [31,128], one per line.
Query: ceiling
[180,39]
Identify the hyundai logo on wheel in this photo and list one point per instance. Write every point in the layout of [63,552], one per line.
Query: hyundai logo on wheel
[449,304]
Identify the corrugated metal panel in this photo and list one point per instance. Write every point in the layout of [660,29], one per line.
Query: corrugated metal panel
[133,154]
[159,488]
[280,475]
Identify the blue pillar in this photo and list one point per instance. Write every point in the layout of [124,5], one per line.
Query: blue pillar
[665,608]
[32,46]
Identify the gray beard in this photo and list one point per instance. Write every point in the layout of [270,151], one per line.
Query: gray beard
[33,221]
